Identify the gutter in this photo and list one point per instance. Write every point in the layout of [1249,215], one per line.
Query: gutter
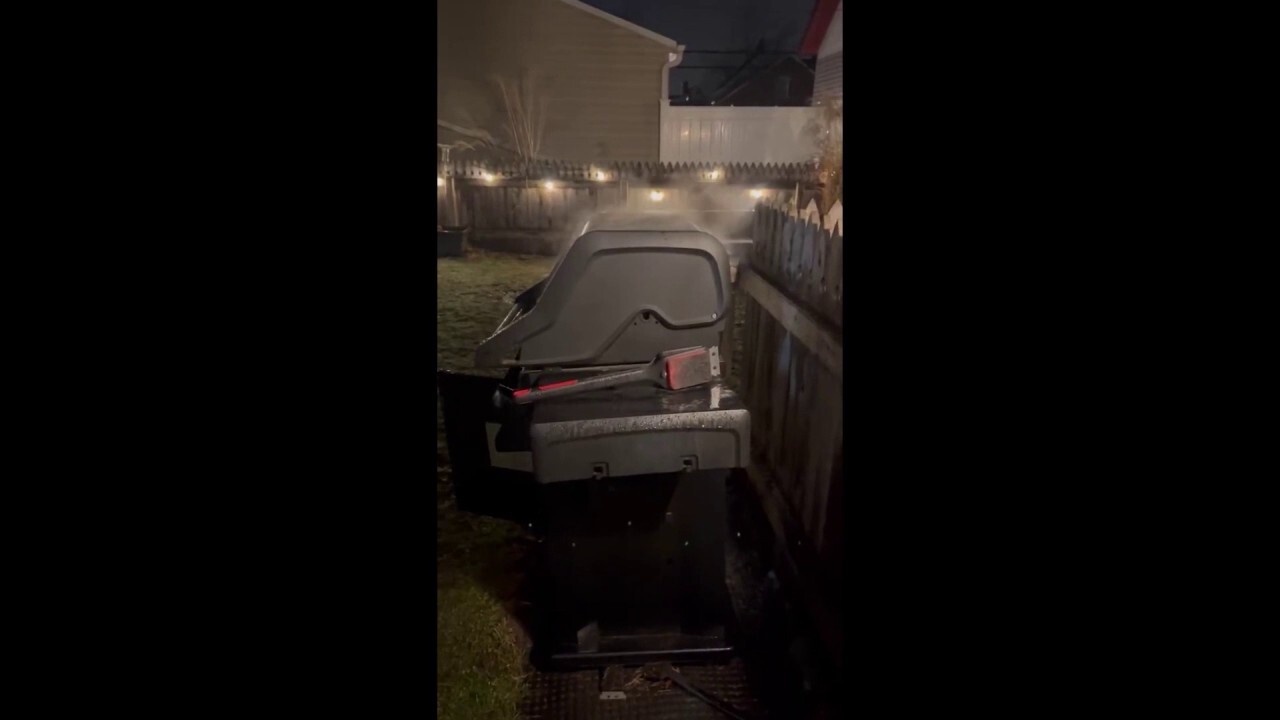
[673,59]
[645,32]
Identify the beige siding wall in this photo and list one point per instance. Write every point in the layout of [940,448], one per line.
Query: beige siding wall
[602,82]
[830,76]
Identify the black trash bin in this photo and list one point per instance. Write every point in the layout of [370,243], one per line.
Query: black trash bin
[451,241]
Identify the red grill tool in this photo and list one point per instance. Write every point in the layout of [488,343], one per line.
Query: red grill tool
[673,370]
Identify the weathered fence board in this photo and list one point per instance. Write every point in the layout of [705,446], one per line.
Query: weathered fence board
[772,174]
[552,212]
[803,254]
[445,208]
[791,378]
[794,319]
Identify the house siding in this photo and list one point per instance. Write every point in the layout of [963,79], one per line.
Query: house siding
[829,80]
[602,82]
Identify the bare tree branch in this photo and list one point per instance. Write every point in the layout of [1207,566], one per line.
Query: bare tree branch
[526,117]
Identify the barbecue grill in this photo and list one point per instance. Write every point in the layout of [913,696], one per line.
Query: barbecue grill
[612,436]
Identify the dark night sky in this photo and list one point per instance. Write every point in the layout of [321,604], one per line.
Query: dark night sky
[716,25]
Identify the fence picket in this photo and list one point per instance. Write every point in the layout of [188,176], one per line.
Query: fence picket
[835,276]
[789,173]
[833,216]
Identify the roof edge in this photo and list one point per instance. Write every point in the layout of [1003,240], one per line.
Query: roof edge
[726,95]
[666,41]
[823,12]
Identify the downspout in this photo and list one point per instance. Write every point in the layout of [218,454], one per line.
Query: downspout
[673,59]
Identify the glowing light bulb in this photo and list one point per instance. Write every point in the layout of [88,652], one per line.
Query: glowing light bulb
[488,177]
[439,181]
[549,185]
[757,194]
[656,195]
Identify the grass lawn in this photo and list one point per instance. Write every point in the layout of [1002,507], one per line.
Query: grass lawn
[481,652]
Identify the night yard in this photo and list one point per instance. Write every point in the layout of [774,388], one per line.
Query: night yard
[550,131]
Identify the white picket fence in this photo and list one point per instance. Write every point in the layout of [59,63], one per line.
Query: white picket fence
[737,134]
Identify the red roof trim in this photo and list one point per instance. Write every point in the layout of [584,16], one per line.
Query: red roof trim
[823,12]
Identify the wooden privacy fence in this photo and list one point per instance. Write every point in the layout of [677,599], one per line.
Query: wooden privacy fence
[648,172]
[791,379]
[534,208]
[516,208]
